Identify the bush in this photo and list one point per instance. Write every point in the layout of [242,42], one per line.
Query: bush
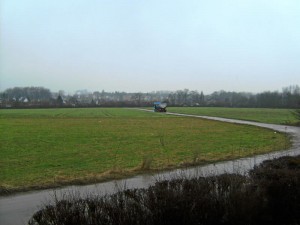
[279,183]
[270,195]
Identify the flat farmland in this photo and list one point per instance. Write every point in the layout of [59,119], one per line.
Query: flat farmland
[263,115]
[43,148]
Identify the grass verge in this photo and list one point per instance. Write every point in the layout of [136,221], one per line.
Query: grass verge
[263,115]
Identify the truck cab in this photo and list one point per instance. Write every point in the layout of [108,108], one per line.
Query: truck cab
[160,107]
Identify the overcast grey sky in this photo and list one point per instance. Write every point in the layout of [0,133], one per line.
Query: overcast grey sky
[139,45]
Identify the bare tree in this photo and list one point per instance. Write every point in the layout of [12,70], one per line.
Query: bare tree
[137,97]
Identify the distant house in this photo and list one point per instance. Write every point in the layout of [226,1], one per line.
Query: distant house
[24,100]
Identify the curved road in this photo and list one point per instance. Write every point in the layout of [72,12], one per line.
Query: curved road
[17,209]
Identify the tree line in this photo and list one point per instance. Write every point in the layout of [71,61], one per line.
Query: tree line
[40,97]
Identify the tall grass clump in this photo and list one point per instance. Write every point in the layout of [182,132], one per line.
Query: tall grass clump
[146,163]
[269,195]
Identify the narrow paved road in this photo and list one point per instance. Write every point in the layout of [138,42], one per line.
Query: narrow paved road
[17,209]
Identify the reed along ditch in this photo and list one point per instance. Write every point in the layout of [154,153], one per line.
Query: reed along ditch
[19,208]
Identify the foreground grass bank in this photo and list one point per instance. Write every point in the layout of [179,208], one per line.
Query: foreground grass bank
[274,116]
[51,147]
[270,195]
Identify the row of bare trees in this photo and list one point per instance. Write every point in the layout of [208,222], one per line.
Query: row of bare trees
[288,98]
[19,97]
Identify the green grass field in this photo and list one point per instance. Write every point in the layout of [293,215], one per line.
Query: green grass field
[48,147]
[275,116]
